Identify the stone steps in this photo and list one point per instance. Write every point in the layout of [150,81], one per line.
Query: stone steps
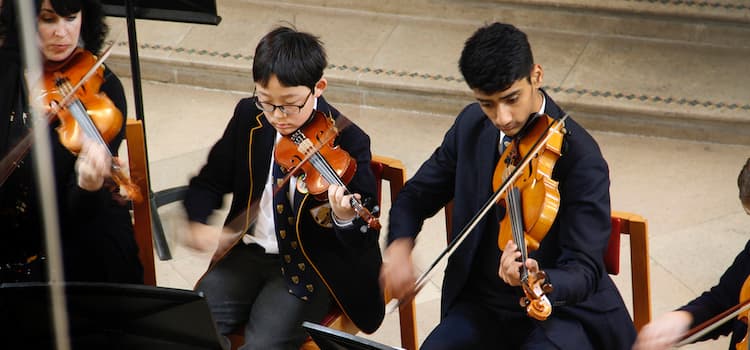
[658,68]
[711,22]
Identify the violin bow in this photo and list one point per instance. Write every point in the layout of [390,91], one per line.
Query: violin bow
[461,236]
[702,329]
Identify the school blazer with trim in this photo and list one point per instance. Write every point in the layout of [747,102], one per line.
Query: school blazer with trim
[571,253]
[347,260]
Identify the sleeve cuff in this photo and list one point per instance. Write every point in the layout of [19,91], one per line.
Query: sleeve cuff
[343,223]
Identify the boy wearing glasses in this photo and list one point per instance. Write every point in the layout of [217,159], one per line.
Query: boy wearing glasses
[291,255]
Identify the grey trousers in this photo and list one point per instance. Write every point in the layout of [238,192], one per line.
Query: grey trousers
[246,288]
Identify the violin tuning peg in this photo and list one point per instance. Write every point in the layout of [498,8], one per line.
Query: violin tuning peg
[524,302]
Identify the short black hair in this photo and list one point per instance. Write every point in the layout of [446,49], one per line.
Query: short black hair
[743,182]
[496,56]
[296,58]
[93,28]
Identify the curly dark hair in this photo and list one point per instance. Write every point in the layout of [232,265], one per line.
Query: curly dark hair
[743,182]
[93,28]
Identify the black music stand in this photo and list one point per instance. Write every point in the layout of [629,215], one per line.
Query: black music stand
[108,316]
[331,339]
[187,11]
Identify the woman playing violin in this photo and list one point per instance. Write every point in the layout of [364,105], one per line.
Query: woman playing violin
[480,295]
[95,225]
[668,329]
[288,260]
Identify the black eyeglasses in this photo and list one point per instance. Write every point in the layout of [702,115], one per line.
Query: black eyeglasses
[286,109]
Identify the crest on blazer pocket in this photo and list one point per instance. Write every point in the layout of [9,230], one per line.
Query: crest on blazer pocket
[322,215]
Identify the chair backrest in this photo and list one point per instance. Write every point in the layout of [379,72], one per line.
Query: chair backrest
[394,172]
[137,162]
[622,223]
[640,273]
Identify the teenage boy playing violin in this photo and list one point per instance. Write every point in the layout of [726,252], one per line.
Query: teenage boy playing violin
[667,330]
[480,294]
[95,224]
[295,254]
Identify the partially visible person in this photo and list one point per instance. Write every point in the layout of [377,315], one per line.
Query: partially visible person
[481,286]
[296,255]
[670,328]
[95,225]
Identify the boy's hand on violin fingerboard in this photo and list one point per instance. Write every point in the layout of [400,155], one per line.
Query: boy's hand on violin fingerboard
[510,265]
[341,203]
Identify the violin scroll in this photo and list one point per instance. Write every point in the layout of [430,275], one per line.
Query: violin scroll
[535,300]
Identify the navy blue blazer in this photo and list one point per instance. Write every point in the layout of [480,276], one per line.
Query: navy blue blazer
[571,254]
[346,260]
[721,297]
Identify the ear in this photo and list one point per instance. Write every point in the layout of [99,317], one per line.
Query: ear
[320,86]
[537,76]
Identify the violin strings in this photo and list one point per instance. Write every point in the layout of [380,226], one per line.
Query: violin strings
[516,223]
[326,170]
[80,114]
[329,174]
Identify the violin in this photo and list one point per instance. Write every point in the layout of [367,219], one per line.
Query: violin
[534,143]
[531,204]
[744,298]
[310,153]
[83,110]
[90,113]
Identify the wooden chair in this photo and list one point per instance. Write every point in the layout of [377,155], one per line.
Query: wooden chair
[637,227]
[393,171]
[141,211]
[623,223]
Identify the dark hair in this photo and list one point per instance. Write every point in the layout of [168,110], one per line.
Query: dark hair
[93,28]
[743,182]
[296,58]
[495,57]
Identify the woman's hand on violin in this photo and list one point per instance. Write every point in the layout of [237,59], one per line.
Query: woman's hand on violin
[397,273]
[92,166]
[664,332]
[341,203]
[510,266]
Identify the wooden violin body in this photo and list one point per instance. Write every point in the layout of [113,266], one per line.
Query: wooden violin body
[540,197]
[58,81]
[291,152]
[312,152]
[531,202]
